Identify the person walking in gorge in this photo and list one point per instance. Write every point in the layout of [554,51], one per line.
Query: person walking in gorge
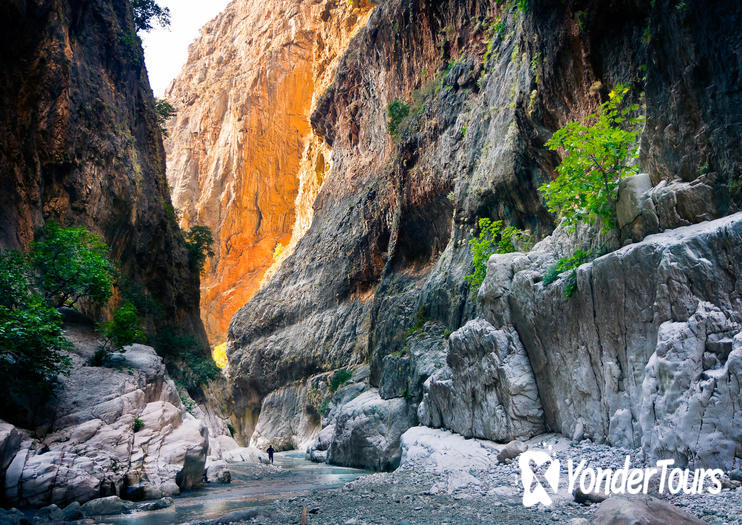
[270,452]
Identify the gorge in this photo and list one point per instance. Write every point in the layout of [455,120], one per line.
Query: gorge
[340,281]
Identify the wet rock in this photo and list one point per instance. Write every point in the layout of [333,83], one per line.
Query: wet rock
[50,513]
[73,511]
[641,510]
[107,506]
[13,517]
[159,504]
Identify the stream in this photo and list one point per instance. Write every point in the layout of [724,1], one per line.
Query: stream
[299,476]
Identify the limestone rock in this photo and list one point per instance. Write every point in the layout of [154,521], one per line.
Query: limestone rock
[218,472]
[367,432]
[107,506]
[641,510]
[511,451]
[646,351]
[488,389]
[93,450]
[241,155]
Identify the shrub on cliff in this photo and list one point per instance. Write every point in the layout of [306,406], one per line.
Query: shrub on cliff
[199,242]
[598,154]
[164,111]
[71,264]
[397,112]
[493,238]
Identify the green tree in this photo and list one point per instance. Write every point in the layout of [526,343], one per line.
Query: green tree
[147,12]
[598,154]
[493,238]
[164,111]
[72,263]
[199,242]
[31,343]
[124,329]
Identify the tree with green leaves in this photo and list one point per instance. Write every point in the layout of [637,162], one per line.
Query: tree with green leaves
[72,263]
[493,238]
[597,155]
[164,111]
[199,242]
[147,12]
[123,329]
[31,343]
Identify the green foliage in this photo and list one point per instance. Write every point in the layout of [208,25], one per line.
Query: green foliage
[397,112]
[164,111]
[148,12]
[31,343]
[339,378]
[138,425]
[199,242]
[131,47]
[325,408]
[231,429]
[567,264]
[71,264]
[493,238]
[447,332]
[598,154]
[188,360]
[419,321]
[124,329]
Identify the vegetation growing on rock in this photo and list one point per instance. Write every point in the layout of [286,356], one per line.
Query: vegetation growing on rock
[199,242]
[598,154]
[493,238]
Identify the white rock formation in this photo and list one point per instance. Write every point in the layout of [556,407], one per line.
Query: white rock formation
[93,450]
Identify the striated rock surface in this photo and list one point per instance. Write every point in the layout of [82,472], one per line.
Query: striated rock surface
[647,350]
[116,431]
[487,390]
[79,144]
[387,249]
[242,157]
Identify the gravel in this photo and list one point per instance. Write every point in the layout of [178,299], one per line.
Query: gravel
[417,494]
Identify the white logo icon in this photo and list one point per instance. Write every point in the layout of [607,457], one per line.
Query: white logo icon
[533,490]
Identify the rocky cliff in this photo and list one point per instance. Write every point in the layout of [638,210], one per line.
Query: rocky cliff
[242,156]
[381,269]
[79,144]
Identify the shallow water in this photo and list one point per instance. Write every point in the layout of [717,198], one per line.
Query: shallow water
[213,500]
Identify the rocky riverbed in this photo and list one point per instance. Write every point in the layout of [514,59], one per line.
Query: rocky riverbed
[445,478]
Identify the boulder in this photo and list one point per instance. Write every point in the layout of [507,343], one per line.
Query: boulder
[50,513]
[107,506]
[159,504]
[217,472]
[511,451]
[13,517]
[73,511]
[488,389]
[367,432]
[641,510]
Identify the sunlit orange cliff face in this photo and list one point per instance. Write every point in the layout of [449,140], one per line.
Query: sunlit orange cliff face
[241,155]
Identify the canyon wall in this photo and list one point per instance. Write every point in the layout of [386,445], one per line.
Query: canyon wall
[385,258]
[79,144]
[242,156]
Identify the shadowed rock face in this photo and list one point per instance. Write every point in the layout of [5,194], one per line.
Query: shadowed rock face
[242,157]
[389,238]
[79,144]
